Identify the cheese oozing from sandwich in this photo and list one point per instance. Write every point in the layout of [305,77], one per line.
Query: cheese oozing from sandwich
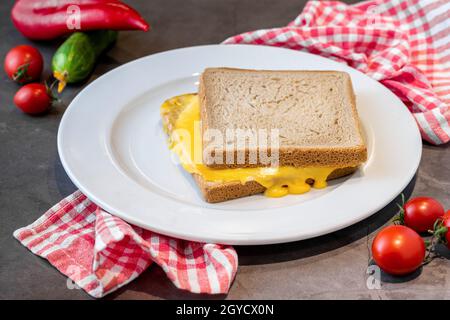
[186,141]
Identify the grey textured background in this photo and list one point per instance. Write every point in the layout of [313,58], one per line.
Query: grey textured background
[32,179]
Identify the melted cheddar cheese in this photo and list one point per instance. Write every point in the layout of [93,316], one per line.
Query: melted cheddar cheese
[278,181]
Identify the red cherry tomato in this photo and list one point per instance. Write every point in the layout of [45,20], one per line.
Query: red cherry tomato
[33,98]
[24,64]
[422,212]
[398,250]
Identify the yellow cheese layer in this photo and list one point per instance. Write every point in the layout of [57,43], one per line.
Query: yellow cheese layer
[186,142]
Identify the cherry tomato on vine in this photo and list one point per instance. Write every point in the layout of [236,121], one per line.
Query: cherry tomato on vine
[24,64]
[33,98]
[398,250]
[421,213]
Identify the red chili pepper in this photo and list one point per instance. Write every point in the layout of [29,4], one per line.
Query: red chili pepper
[49,19]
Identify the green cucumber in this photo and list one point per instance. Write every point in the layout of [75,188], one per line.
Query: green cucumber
[75,58]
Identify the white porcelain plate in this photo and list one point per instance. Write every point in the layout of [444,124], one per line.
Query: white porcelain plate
[113,148]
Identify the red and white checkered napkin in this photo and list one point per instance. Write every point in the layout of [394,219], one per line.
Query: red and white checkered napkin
[404,44]
[101,253]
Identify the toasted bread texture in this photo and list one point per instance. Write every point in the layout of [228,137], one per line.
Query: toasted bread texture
[313,111]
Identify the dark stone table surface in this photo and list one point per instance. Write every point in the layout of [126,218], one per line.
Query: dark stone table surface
[32,180]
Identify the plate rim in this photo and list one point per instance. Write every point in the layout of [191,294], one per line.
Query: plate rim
[189,236]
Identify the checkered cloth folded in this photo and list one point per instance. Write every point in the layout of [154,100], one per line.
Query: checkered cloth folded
[404,44]
[101,253]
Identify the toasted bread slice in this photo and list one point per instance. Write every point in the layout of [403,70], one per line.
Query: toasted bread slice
[217,192]
[313,111]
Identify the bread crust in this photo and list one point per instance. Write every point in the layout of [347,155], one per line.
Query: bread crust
[214,192]
[290,156]
[305,157]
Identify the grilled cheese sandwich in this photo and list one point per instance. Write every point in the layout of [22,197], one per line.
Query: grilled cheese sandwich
[278,181]
[321,137]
